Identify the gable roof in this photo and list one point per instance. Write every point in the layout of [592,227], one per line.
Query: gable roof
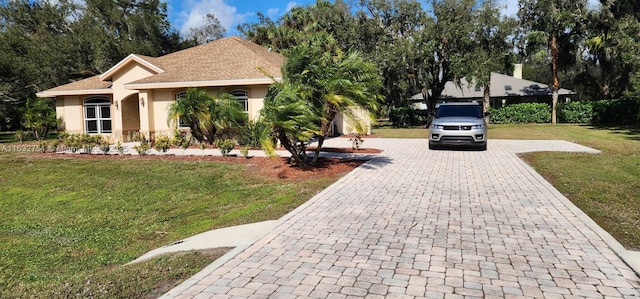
[132,58]
[501,86]
[224,62]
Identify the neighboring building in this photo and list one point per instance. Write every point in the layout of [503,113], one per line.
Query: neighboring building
[505,90]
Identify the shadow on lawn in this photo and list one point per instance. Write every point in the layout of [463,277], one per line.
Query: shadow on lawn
[632,132]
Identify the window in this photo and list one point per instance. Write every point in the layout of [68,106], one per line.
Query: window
[97,115]
[242,97]
[179,96]
[507,87]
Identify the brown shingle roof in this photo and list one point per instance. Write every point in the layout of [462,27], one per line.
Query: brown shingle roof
[89,85]
[231,58]
[227,59]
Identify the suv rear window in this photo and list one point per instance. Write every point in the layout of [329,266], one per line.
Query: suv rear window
[459,110]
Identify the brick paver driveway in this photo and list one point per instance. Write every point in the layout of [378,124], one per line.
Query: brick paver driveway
[435,224]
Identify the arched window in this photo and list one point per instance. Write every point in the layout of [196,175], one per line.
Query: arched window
[180,96]
[97,115]
[242,97]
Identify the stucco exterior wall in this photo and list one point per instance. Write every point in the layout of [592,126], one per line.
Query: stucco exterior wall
[126,99]
[256,100]
[346,125]
[159,111]
[69,108]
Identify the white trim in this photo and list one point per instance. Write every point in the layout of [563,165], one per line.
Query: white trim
[50,94]
[258,81]
[135,58]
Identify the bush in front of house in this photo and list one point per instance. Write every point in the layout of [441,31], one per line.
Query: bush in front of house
[407,116]
[521,114]
[575,112]
[616,112]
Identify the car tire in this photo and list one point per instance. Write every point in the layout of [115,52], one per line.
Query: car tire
[483,147]
[432,146]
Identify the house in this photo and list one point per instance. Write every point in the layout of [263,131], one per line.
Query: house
[134,95]
[505,90]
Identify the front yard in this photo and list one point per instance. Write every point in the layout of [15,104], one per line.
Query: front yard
[69,224]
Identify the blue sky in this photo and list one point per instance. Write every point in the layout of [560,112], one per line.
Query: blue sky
[231,13]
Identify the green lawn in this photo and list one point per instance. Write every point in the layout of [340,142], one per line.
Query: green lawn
[68,226]
[605,186]
[71,224]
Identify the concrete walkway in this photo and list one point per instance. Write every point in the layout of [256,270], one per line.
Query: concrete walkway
[416,223]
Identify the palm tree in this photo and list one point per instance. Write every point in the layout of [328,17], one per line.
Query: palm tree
[40,117]
[333,82]
[320,77]
[206,115]
[292,120]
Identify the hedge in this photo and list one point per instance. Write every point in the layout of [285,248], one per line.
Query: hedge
[616,112]
[521,114]
[575,112]
[407,116]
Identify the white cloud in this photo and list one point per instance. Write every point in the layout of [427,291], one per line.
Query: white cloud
[510,7]
[195,11]
[272,12]
[291,5]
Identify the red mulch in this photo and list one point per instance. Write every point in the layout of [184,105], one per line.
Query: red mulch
[260,166]
[347,150]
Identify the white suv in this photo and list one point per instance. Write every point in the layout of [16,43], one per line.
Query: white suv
[458,124]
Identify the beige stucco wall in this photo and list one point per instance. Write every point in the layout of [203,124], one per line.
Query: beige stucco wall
[159,110]
[69,108]
[256,100]
[126,99]
[346,125]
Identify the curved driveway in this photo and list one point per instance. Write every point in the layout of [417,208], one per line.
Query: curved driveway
[437,224]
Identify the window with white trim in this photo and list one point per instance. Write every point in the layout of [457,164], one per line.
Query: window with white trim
[243,97]
[97,115]
[180,96]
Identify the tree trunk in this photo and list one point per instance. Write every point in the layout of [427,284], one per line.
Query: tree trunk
[556,84]
[284,141]
[324,131]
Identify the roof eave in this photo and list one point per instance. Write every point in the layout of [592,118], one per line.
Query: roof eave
[212,83]
[51,94]
[132,57]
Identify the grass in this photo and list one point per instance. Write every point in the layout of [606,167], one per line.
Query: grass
[605,186]
[391,132]
[71,224]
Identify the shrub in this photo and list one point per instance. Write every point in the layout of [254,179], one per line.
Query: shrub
[244,150]
[21,136]
[162,143]
[144,146]
[253,134]
[356,142]
[521,114]
[575,112]
[225,146]
[407,116]
[616,112]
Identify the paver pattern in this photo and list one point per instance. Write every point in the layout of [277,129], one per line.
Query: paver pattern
[415,223]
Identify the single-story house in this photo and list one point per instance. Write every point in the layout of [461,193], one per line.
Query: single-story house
[134,95]
[505,90]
